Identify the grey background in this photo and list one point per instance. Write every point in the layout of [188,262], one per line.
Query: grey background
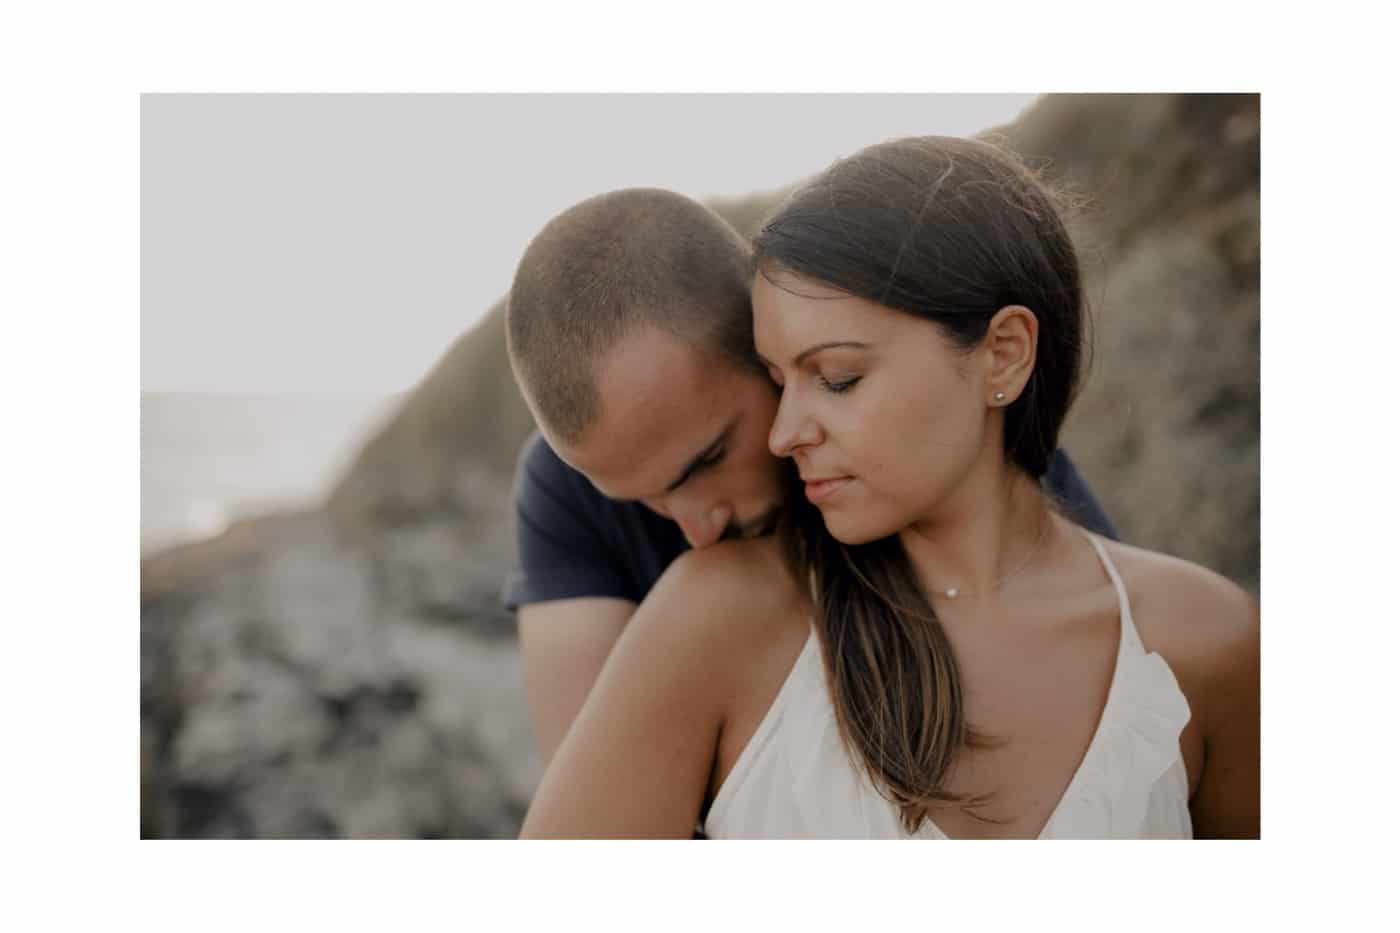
[337,244]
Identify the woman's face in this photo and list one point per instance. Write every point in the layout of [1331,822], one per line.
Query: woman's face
[884,417]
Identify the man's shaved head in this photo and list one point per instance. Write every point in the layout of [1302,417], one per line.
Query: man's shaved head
[608,267]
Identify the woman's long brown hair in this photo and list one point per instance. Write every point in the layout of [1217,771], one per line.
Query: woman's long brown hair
[951,231]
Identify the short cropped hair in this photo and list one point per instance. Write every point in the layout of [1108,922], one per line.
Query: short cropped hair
[608,266]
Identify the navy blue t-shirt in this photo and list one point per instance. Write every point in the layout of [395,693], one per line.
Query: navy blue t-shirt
[572,541]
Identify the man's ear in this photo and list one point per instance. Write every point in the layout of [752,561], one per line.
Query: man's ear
[1009,347]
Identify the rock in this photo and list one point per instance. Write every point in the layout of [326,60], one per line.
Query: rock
[282,697]
[1166,428]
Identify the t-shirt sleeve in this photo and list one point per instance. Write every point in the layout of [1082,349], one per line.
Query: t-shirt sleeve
[1063,481]
[563,549]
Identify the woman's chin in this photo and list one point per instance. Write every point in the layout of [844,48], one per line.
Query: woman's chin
[852,531]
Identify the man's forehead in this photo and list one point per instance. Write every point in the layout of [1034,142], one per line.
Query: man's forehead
[648,360]
[637,464]
[662,403]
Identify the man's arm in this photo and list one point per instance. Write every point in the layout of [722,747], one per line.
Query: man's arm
[563,645]
[569,587]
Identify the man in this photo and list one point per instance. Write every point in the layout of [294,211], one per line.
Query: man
[630,334]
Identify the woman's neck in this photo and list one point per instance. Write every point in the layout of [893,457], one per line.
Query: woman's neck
[985,533]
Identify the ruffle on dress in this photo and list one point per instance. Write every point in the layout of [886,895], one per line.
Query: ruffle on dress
[1127,773]
[1125,781]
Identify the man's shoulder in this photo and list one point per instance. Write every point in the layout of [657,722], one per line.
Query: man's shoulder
[543,481]
[539,464]
[565,542]
[573,541]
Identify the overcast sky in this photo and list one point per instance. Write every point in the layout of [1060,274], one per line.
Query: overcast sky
[338,244]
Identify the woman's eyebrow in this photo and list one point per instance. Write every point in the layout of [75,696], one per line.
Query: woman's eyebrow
[855,344]
[797,360]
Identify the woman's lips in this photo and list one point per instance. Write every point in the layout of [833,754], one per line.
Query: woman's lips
[823,489]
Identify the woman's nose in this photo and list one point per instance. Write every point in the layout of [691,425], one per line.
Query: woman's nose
[792,428]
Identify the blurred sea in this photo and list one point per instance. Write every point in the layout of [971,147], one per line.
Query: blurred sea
[207,460]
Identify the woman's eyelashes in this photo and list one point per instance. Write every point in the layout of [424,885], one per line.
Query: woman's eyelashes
[838,386]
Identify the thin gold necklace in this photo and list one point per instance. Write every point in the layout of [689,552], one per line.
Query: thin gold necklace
[953,592]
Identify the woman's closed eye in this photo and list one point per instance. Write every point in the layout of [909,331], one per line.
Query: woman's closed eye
[838,385]
[835,386]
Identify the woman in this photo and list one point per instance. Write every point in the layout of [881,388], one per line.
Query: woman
[946,656]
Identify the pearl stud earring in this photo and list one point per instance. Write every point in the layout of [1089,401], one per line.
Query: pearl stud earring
[1000,396]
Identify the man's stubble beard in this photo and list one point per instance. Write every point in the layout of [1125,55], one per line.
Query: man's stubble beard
[765,524]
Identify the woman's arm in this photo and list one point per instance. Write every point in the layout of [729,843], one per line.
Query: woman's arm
[1226,802]
[637,760]
[1207,629]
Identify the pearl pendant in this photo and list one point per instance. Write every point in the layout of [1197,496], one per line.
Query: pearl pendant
[951,592]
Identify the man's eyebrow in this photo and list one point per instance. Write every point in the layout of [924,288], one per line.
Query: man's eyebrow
[699,459]
[797,360]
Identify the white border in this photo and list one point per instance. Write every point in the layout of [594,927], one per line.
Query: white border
[70,168]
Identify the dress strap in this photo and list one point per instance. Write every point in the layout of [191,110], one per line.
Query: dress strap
[1125,612]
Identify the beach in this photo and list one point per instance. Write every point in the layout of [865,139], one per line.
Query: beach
[209,460]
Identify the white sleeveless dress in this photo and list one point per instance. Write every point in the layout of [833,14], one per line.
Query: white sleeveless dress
[795,780]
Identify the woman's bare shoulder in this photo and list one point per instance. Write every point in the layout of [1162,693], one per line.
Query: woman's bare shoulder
[733,580]
[1203,624]
[756,561]
[723,597]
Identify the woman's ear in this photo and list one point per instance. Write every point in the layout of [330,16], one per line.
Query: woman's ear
[1009,346]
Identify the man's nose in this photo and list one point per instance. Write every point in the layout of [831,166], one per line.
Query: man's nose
[704,526]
